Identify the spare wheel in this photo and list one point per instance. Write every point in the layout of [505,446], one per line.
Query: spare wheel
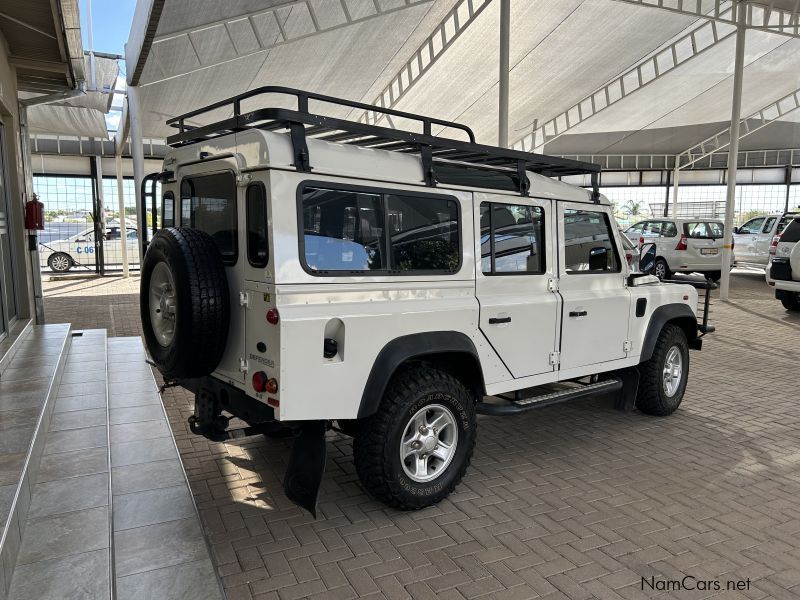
[794,261]
[184,303]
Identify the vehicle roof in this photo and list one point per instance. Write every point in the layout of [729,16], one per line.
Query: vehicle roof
[678,220]
[258,149]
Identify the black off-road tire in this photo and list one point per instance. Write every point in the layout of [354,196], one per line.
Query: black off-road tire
[714,276]
[376,448]
[652,398]
[660,262]
[791,302]
[202,312]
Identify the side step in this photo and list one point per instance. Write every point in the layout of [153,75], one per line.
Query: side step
[525,404]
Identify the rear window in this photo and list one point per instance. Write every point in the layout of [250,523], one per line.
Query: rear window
[703,230]
[792,232]
[785,220]
[361,230]
[208,203]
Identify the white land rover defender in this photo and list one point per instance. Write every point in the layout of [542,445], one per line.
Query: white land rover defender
[373,276]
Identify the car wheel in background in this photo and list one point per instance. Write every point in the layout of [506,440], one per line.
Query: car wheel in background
[59,262]
[791,302]
[714,276]
[661,270]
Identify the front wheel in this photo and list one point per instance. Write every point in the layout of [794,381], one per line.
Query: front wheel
[791,302]
[59,262]
[415,449]
[661,270]
[663,378]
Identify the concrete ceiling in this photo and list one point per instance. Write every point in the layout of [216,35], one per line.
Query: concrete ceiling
[561,53]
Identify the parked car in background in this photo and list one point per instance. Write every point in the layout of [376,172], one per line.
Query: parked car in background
[756,239]
[682,245]
[80,249]
[783,269]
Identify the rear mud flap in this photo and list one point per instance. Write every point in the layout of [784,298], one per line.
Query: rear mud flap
[306,466]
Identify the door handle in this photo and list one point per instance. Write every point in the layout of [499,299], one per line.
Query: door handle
[578,313]
[498,320]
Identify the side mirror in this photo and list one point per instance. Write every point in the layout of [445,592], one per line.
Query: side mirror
[81,240]
[647,258]
[735,230]
[598,259]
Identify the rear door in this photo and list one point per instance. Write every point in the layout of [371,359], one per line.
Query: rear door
[515,281]
[763,240]
[746,239]
[596,302]
[210,201]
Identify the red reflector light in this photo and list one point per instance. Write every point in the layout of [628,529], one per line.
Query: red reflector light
[682,243]
[272,316]
[273,402]
[686,297]
[260,381]
[271,386]
[773,246]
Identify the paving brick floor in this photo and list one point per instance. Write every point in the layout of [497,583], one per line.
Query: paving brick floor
[573,501]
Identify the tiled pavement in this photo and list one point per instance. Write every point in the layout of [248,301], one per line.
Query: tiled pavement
[573,501]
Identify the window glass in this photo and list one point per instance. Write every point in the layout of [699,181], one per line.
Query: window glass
[348,230]
[343,230]
[752,226]
[715,230]
[792,232]
[589,243]
[423,233]
[132,234]
[785,220]
[112,233]
[257,249]
[669,229]
[168,210]
[768,224]
[637,228]
[695,230]
[516,243]
[208,203]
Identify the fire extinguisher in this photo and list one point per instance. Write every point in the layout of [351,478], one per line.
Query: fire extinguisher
[34,214]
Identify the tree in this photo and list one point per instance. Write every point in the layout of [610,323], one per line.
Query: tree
[633,208]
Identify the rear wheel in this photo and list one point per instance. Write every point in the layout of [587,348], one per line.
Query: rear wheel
[663,378]
[661,270]
[714,276]
[791,302]
[414,451]
[59,262]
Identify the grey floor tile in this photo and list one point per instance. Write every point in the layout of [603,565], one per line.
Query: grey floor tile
[128,387]
[17,439]
[83,375]
[76,439]
[146,476]
[20,417]
[11,468]
[134,399]
[189,581]
[20,373]
[73,464]
[29,393]
[146,430]
[156,546]
[6,498]
[134,372]
[79,577]
[87,402]
[79,363]
[131,453]
[66,495]
[81,389]
[64,535]
[152,506]
[136,414]
[77,419]
[42,362]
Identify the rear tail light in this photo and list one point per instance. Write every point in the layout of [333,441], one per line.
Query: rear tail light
[260,381]
[773,246]
[629,258]
[682,243]
[641,241]
[272,386]
[272,316]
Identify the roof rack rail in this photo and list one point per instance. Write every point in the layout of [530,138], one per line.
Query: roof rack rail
[439,154]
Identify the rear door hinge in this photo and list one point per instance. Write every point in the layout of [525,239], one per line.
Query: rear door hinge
[244,367]
[244,299]
[626,345]
[555,358]
[552,284]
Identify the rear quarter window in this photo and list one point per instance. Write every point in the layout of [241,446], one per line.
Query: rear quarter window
[208,203]
[792,232]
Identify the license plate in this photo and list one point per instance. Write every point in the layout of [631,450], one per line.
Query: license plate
[709,250]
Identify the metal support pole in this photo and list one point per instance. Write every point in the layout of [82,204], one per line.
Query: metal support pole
[123,228]
[101,212]
[137,153]
[666,198]
[788,181]
[505,37]
[676,180]
[733,150]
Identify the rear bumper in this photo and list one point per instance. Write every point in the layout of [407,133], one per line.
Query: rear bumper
[787,286]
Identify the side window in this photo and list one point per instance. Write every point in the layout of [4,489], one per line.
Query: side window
[208,203]
[752,226]
[792,232]
[715,230]
[589,243]
[669,229]
[349,230]
[132,235]
[512,239]
[636,228]
[695,230]
[168,210]
[768,224]
[256,209]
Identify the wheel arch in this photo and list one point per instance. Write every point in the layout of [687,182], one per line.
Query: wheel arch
[669,314]
[452,351]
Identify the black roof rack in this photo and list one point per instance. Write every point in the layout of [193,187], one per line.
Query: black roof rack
[433,150]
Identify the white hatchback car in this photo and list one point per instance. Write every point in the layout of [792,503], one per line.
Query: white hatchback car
[79,249]
[682,245]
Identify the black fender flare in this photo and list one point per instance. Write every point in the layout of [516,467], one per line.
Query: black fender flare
[684,317]
[413,346]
